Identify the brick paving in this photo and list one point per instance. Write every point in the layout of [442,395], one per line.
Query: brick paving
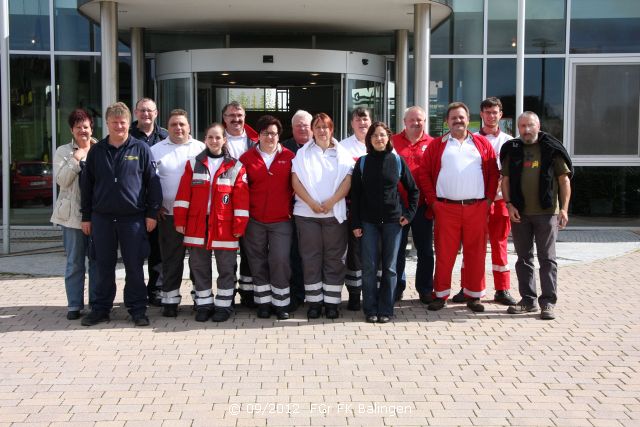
[446,368]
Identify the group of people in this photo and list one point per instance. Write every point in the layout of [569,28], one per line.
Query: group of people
[307,215]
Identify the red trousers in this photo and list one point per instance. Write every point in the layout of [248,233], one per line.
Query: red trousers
[499,228]
[455,224]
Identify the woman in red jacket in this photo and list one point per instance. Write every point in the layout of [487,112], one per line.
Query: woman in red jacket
[212,210]
[269,232]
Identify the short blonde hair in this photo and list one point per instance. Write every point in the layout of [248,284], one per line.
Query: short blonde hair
[118,109]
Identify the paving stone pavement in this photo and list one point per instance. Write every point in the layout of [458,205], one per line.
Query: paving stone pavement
[450,367]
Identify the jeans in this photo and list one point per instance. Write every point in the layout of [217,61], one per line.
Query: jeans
[422,234]
[376,240]
[76,245]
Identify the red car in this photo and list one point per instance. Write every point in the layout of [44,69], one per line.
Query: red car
[32,181]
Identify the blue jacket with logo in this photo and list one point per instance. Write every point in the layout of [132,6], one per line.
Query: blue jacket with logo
[120,181]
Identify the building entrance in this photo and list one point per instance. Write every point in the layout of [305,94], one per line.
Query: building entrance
[273,81]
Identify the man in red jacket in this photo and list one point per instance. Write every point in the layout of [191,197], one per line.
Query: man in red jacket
[458,179]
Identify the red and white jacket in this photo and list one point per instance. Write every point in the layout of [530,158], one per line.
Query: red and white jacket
[229,203]
[430,168]
[270,189]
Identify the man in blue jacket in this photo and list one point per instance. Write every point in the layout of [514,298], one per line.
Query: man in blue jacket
[120,198]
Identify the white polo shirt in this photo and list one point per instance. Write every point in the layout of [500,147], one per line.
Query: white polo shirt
[170,161]
[497,142]
[323,175]
[356,148]
[237,145]
[460,175]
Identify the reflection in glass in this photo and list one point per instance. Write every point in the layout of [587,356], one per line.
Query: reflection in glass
[609,26]
[79,86]
[462,32]
[454,80]
[30,100]
[72,30]
[545,26]
[502,26]
[29,24]
[367,94]
[612,191]
[173,93]
[543,89]
[606,109]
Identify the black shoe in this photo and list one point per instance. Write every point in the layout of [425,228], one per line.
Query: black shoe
[203,314]
[314,312]
[426,298]
[220,315]
[437,304]
[399,296]
[504,298]
[73,315]
[521,308]
[331,312]
[140,320]
[246,299]
[372,319]
[459,297]
[170,310]
[354,302]
[548,312]
[264,311]
[282,314]
[384,319]
[294,304]
[475,305]
[155,301]
[94,317]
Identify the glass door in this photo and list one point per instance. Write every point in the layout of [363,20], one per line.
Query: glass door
[174,92]
[363,92]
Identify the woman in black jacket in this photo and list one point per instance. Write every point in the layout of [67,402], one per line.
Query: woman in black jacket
[378,216]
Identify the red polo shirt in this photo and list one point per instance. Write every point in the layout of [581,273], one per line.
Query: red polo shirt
[412,155]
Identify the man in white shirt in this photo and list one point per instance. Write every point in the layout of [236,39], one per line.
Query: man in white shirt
[499,224]
[170,156]
[458,178]
[238,142]
[360,123]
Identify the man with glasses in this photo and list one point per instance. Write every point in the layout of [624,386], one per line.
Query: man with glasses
[240,138]
[146,129]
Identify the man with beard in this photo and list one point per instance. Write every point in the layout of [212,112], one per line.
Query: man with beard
[458,178]
[239,139]
[536,187]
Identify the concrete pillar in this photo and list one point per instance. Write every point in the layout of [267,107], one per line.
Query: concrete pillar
[520,62]
[402,60]
[421,53]
[137,64]
[109,40]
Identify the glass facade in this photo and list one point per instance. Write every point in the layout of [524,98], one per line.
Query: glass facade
[55,67]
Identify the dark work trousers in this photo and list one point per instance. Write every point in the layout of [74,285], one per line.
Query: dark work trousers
[200,265]
[173,252]
[245,280]
[154,264]
[422,235]
[107,232]
[323,243]
[353,277]
[543,229]
[268,247]
[296,282]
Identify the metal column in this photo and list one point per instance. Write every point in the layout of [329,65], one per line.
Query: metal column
[421,53]
[402,60]
[109,40]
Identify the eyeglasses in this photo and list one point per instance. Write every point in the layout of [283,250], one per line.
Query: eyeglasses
[380,135]
[146,111]
[269,134]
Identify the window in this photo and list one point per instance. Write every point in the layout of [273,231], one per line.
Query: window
[606,109]
[462,32]
[29,24]
[610,26]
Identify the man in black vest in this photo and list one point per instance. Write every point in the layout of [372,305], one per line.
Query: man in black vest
[536,188]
